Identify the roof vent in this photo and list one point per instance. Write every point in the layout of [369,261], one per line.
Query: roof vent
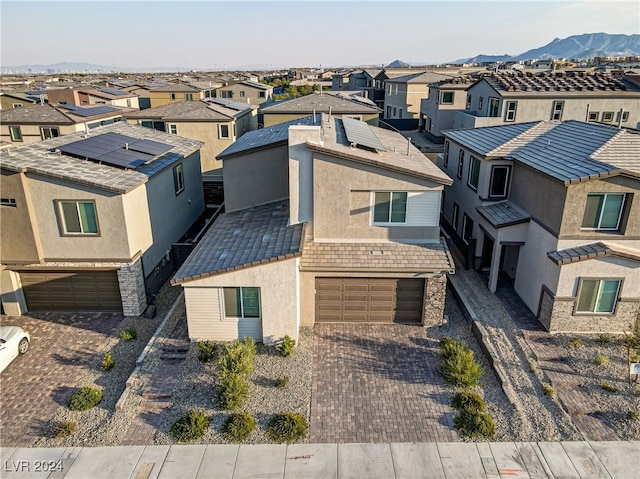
[266,237]
[224,255]
[376,252]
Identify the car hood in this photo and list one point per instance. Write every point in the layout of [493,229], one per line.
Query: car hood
[9,332]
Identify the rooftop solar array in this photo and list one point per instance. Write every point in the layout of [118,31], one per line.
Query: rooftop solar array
[116,150]
[112,91]
[360,133]
[90,111]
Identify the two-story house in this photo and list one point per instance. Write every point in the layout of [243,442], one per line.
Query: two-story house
[519,97]
[246,91]
[173,93]
[87,220]
[99,95]
[403,94]
[552,206]
[341,225]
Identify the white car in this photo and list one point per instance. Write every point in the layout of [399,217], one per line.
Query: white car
[13,341]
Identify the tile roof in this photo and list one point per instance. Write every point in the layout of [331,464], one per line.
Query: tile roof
[321,103]
[552,83]
[485,140]
[590,251]
[242,239]
[421,78]
[188,110]
[369,257]
[233,105]
[57,115]
[171,87]
[503,214]
[38,158]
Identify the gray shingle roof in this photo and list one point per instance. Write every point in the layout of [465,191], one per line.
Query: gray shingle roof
[242,239]
[59,115]
[590,251]
[188,110]
[503,214]
[485,140]
[37,158]
[370,257]
[321,104]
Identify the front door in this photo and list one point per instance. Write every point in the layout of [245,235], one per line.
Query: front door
[487,253]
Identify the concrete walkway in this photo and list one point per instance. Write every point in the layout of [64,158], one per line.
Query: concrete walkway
[569,460]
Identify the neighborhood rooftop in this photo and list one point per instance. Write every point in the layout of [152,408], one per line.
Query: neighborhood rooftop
[42,158]
[188,110]
[565,82]
[321,103]
[242,239]
[58,115]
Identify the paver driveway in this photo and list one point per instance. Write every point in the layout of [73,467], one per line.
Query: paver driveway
[377,383]
[38,382]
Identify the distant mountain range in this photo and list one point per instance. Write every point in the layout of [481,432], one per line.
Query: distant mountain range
[78,67]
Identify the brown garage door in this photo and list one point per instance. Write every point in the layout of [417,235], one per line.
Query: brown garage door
[369,300]
[71,290]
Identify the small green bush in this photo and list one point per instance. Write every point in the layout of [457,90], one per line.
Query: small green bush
[192,425]
[206,351]
[238,427]
[282,382]
[633,415]
[576,342]
[108,362]
[468,400]
[533,366]
[603,339]
[85,398]
[128,334]
[64,429]
[237,357]
[473,424]
[548,390]
[286,346]
[607,387]
[450,347]
[601,359]
[231,391]
[287,427]
[461,370]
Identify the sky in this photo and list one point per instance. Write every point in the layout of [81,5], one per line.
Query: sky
[222,35]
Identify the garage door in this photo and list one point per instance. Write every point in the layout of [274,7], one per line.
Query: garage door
[369,300]
[71,290]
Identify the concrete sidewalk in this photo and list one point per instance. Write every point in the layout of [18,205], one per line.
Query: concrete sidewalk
[397,460]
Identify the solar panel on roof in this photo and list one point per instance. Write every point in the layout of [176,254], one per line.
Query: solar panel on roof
[360,133]
[90,111]
[149,146]
[112,91]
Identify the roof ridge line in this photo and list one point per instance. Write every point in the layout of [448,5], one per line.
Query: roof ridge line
[606,145]
[532,129]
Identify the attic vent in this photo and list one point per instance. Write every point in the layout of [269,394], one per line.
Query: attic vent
[376,252]
[266,237]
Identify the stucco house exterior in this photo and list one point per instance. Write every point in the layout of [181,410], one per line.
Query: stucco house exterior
[99,95]
[246,91]
[353,237]
[403,94]
[173,93]
[552,207]
[87,220]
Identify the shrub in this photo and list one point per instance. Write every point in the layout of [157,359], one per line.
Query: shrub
[607,387]
[633,415]
[206,351]
[237,357]
[474,424]
[460,369]
[533,366]
[450,347]
[287,427]
[129,334]
[231,391]
[285,348]
[548,390]
[108,362]
[282,382]
[601,359]
[64,429]
[192,425]
[469,401]
[576,342]
[238,427]
[603,339]
[85,398]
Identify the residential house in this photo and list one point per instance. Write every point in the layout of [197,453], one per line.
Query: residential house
[340,81]
[173,93]
[11,100]
[444,99]
[520,97]
[356,239]
[98,95]
[403,94]
[216,123]
[246,91]
[41,122]
[88,220]
[552,207]
[332,103]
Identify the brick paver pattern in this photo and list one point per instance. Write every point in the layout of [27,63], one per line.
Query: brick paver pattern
[35,384]
[377,383]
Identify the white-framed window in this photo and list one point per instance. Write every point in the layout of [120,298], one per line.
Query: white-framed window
[49,132]
[389,89]
[474,172]
[499,186]
[456,214]
[172,96]
[226,94]
[355,117]
[556,110]
[129,102]
[395,89]
[389,207]
[480,103]
[178,179]
[607,116]
[446,153]
[8,202]
[494,107]
[173,129]
[223,131]
[446,97]
[16,105]
[242,93]
[625,116]
[242,302]
[78,217]
[510,111]
[468,106]
[467,228]
[603,211]
[399,112]
[16,133]
[188,96]
[460,163]
[262,94]
[597,296]
[593,116]
[395,112]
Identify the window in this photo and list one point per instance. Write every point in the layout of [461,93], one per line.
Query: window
[607,116]
[598,295]
[78,217]
[242,94]
[390,207]
[388,112]
[223,131]
[625,116]
[594,115]
[556,110]
[446,153]
[49,132]
[499,181]
[467,228]
[16,105]
[178,179]
[442,202]
[173,129]
[129,102]
[395,111]
[510,113]
[456,212]
[172,96]
[399,112]
[16,133]
[480,102]
[156,125]
[8,202]
[603,211]
[460,163]
[188,96]
[447,97]
[395,89]
[468,102]
[226,94]
[474,173]
[389,92]
[262,94]
[494,107]
[241,302]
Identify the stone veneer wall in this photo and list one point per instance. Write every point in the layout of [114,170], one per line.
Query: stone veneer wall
[561,318]
[132,289]
[435,291]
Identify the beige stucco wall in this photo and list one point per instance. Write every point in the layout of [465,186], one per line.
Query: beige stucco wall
[407,98]
[271,119]
[251,95]
[301,175]
[32,134]
[607,267]
[136,220]
[278,302]
[441,115]
[159,98]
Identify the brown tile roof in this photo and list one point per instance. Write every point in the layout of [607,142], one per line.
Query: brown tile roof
[591,251]
[242,239]
[569,81]
[187,110]
[376,257]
